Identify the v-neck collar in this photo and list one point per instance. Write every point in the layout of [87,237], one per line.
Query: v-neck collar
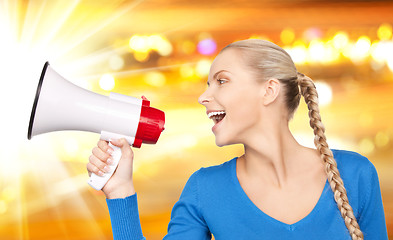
[318,206]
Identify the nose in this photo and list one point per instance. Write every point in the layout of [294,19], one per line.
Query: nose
[205,98]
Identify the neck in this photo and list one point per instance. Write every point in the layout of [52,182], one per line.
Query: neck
[271,156]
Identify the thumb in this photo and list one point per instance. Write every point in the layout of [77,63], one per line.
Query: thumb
[123,144]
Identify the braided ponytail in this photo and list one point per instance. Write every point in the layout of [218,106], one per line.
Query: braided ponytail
[310,95]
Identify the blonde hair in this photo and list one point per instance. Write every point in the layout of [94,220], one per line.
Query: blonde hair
[271,61]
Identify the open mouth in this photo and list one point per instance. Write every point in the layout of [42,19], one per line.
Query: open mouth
[217,116]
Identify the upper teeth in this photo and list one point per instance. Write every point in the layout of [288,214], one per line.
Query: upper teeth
[211,114]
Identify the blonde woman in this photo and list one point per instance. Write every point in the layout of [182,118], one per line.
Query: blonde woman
[278,189]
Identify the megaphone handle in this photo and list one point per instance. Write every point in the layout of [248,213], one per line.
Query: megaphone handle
[98,182]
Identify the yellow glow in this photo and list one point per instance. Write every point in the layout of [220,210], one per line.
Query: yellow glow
[390,63]
[385,52]
[366,119]
[361,49]
[377,65]
[204,35]
[203,68]
[141,56]
[3,207]
[325,93]
[299,43]
[257,36]
[134,42]
[298,52]
[287,36]
[144,44]
[116,62]
[161,44]
[71,147]
[8,194]
[165,48]
[340,40]
[381,139]
[186,71]
[146,170]
[189,141]
[331,53]
[363,44]
[156,79]
[188,47]
[139,43]
[316,50]
[154,41]
[107,82]
[378,51]
[347,51]
[366,146]
[385,31]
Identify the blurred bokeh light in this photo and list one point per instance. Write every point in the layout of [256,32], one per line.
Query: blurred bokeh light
[163,50]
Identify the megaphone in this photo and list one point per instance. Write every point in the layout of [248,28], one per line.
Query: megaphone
[61,105]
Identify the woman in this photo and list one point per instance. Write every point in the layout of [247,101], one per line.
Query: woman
[278,189]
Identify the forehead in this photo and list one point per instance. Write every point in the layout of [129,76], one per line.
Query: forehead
[229,60]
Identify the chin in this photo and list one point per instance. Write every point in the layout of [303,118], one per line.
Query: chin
[221,142]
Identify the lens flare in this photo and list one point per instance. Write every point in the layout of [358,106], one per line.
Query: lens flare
[207,46]
[287,36]
[340,40]
[107,82]
[385,32]
[325,93]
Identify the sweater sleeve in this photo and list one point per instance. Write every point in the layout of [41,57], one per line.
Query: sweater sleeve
[125,218]
[371,214]
[187,221]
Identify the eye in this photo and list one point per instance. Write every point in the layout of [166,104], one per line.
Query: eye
[221,81]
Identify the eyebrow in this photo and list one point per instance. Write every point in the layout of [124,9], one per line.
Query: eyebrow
[216,74]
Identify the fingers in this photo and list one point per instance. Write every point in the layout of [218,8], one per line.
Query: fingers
[101,155]
[91,168]
[126,150]
[103,145]
[100,159]
[97,166]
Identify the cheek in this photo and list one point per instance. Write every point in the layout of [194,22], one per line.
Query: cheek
[242,105]
[245,105]
[244,113]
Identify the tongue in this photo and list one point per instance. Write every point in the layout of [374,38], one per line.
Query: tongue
[220,117]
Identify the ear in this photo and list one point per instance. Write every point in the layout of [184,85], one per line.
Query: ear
[272,89]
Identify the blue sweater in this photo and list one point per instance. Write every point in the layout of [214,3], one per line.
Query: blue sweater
[213,202]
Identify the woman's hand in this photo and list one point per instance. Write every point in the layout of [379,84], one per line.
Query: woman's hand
[120,185]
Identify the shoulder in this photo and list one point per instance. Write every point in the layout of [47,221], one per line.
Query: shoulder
[218,169]
[353,164]
[349,157]
[362,184]
[359,175]
[214,175]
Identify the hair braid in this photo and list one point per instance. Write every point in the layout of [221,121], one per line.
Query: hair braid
[310,94]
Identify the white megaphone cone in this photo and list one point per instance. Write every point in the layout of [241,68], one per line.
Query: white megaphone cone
[61,105]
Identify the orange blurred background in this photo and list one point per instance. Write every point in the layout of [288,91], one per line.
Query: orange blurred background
[163,50]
